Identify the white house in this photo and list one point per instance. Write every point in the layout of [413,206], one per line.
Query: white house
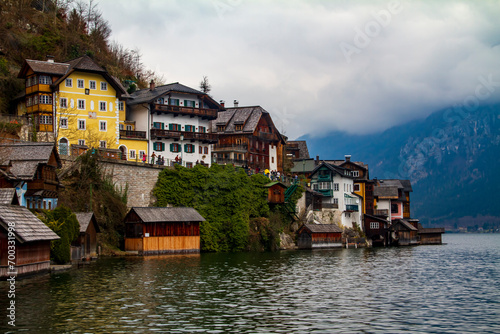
[337,186]
[176,118]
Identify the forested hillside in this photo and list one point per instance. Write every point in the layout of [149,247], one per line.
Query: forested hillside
[65,29]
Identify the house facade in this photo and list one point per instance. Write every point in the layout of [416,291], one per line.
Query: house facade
[313,236]
[336,184]
[30,168]
[248,137]
[175,119]
[392,198]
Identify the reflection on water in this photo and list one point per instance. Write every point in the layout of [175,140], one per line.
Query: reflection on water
[452,288]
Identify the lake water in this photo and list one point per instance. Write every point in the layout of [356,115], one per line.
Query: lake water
[452,288]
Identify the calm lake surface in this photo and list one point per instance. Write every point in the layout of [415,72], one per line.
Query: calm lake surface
[452,288]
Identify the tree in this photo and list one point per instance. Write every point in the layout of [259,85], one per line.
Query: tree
[205,86]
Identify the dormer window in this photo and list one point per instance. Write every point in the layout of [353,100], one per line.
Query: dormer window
[355,173]
[239,127]
[220,128]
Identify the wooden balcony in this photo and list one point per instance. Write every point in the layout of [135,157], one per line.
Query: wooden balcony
[384,212]
[330,206]
[236,162]
[129,134]
[265,136]
[210,138]
[231,148]
[193,112]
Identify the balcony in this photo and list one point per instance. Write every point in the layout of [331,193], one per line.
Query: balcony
[231,148]
[265,136]
[190,111]
[324,178]
[129,134]
[351,207]
[384,212]
[236,162]
[210,138]
[325,192]
[330,205]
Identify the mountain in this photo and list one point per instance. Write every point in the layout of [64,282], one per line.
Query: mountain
[452,159]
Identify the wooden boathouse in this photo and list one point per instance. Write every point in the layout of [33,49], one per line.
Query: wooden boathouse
[312,236]
[403,233]
[430,236]
[85,246]
[162,230]
[32,241]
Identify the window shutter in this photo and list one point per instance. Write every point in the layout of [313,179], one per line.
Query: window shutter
[162,126]
[162,146]
[172,148]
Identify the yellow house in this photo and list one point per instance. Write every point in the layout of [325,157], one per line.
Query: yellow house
[79,105]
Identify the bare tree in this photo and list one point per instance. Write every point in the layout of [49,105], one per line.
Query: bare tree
[205,86]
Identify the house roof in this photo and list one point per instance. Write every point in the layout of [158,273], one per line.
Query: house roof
[8,196]
[24,158]
[389,188]
[40,66]
[336,169]
[269,185]
[323,228]
[405,223]
[84,219]
[178,214]
[27,226]
[301,146]
[303,165]
[147,95]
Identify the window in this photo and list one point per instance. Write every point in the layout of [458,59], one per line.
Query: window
[221,128]
[324,185]
[35,99]
[141,154]
[132,154]
[158,125]
[239,127]
[102,125]
[205,150]
[121,106]
[394,208]
[81,142]
[102,106]
[81,104]
[69,82]
[29,101]
[45,99]
[45,80]
[202,129]
[102,144]
[44,119]
[356,187]
[174,102]
[374,226]
[129,127]
[200,151]
[336,201]
[92,84]
[335,187]
[355,173]
[81,124]
[174,127]
[158,146]
[64,122]
[175,147]
[121,126]
[189,128]
[189,103]
[104,85]
[80,83]
[63,103]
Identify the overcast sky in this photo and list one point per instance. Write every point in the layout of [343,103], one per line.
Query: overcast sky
[320,66]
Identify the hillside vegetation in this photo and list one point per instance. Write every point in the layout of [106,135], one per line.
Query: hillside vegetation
[65,29]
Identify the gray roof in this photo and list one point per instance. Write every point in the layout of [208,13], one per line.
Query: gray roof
[249,116]
[304,165]
[7,196]
[405,223]
[323,228]
[389,188]
[84,219]
[336,169]
[27,226]
[24,158]
[40,66]
[152,215]
[147,95]
[302,147]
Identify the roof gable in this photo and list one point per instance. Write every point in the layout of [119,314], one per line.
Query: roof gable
[27,226]
[84,219]
[147,95]
[335,169]
[8,196]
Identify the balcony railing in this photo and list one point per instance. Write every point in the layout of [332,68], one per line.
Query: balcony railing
[129,134]
[351,207]
[330,206]
[231,148]
[236,162]
[169,134]
[201,112]
[383,212]
[325,192]
[324,178]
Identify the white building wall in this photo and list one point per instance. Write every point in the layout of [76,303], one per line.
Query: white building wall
[273,156]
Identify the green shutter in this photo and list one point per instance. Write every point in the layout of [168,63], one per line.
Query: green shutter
[172,148]
[162,125]
[170,126]
[163,147]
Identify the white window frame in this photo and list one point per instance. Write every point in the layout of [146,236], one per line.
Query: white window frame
[45,120]
[102,144]
[68,82]
[81,142]
[45,99]
[104,85]
[374,225]
[63,104]
[335,201]
[78,104]
[64,122]
[355,173]
[45,80]
[92,84]
[336,187]
[141,154]
[80,83]
[80,122]
[105,123]
[132,154]
[102,105]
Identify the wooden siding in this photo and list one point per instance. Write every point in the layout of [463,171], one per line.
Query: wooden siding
[159,245]
[276,194]
[133,244]
[430,239]
[319,240]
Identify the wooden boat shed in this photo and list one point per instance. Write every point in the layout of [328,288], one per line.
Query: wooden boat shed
[403,233]
[32,241]
[275,192]
[85,247]
[312,236]
[430,236]
[162,230]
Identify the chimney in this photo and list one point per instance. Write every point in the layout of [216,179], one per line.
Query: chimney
[316,163]
[222,102]
[347,157]
[152,85]
[50,59]
[236,103]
